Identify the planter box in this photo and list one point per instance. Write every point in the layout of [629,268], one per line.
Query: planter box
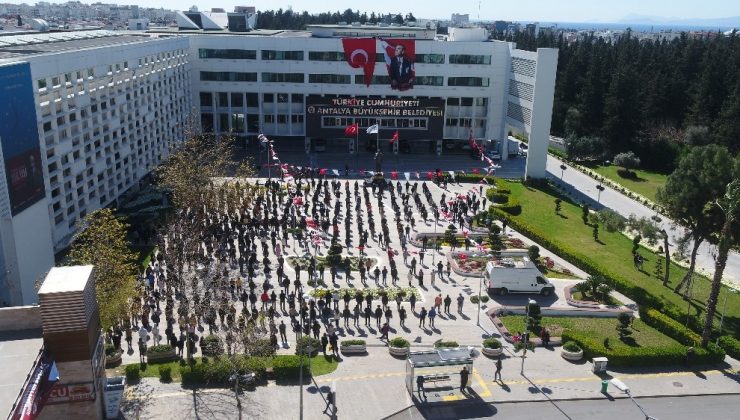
[354,349]
[399,351]
[112,361]
[570,355]
[492,352]
[167,356]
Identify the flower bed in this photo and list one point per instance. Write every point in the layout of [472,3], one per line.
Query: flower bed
[161,353]
[376,292]
[303,262]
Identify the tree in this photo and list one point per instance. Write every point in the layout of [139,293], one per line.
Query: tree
[594,282]
[699,179]
[584,148]
[609,219]
[636,243]
[584,213]
[650,230]
[535,315]
[628,161]
[730,207]
[558,205]
[595,232]
[102,243]
[625,319]
[604,289]
[534,253]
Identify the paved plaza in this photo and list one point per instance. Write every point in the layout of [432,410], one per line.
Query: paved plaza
[372,385]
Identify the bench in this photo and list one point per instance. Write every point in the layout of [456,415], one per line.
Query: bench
[436,378]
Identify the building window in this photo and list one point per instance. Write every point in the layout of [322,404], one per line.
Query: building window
[296,98]
[283,77]
[376,80]
[453,101]
[282,55]
[206,99]
[430,80]
[41,83]
[481,101]
[466,101]
[469,59]
[296,119]
[329,78]
[468,81]
[282,119]
[206,53]
[252,100]
[227,76]
[269,119]
[237,122]
[430,58]
[268,98]
[237,99]
[325,56]
[451,122]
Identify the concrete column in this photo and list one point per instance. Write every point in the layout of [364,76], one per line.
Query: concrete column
[544,92]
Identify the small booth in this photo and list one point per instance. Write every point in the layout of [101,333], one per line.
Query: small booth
[439,366]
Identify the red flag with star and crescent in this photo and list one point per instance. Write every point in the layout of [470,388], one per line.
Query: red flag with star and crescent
[360,53]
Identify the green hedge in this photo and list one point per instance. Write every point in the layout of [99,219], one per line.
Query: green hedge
[731,345]
[669,327]
[305,342]
[218,371]
[635,292]
[499,198]
[133,373]
[491,343]
[474,178]
[165,373]
[642,356]
[288,367]
[162,348]
[353,342]
[446,344]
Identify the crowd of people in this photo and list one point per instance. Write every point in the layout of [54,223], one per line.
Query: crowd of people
[235,278]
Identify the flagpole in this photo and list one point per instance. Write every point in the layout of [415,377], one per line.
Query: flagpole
[377,137]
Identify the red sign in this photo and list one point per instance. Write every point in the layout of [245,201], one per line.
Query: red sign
[67,393]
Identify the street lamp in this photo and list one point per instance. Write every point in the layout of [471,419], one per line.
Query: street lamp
[526,333]
[600,188]
[480,287]
[624,388]
[562,170]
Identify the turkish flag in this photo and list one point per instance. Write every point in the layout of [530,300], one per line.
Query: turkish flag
[360,53]
[394,175]
[322,171]
[351,130]
[394,138]
[430,175]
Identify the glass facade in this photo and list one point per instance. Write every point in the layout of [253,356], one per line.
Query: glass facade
[282,55]
[207,53]
[227,76]
[283,77]
[469,59]
[468,81]
[330,78]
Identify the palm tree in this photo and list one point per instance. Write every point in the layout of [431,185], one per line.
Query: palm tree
[730,206]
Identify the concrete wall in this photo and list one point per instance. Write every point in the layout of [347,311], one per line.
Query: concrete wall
[20,318]
[544,92]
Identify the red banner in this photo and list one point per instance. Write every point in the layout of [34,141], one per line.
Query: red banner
[360,53]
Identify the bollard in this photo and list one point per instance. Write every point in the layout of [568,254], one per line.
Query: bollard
[604,386]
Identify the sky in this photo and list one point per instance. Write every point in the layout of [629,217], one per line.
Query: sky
[519,10]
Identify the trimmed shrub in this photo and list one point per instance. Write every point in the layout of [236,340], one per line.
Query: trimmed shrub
[306,342]
[730,345]
[642,356]
[288,367]
[399,342]
[110,350]
[217,372]
[571,346]
[499,198]
[669,327]
[491,343]
[165,373]
[133,373]
[162,348]
[446,344]
[353,343]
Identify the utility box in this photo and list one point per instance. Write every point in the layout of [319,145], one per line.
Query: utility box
[599,364]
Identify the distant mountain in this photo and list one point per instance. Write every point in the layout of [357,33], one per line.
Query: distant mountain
[733,21]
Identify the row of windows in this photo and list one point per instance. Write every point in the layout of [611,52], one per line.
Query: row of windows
[237,54]
[464,122]
[327,78]
[394,123]
[227,76]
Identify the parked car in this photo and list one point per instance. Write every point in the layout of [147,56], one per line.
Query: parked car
[494,155]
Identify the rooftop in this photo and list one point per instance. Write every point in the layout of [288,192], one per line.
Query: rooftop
[66,279]
[15,46]
[19,351]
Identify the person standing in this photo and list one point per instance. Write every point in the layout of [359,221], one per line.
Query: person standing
[420,385]
[412,301]
[460,300]
[422,318]
[402,316]
[324,343]
[498,371]
[378,315]
[447,302]
[282,329]
[464,374]
[432,315]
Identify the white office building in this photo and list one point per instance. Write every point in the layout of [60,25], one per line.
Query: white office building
[109,106]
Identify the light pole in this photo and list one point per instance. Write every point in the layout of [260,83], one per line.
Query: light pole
[724,308]
[526,334]
[562,170]
[480,287]
[600,188]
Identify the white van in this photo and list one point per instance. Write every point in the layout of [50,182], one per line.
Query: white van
[516,274]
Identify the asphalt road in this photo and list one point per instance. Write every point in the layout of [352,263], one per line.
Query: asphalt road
[673,408]
[584,187]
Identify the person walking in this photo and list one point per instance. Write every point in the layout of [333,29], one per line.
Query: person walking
[420,385]
[438,302]
[498,371]
[432,315]
[282,328]
[324,343]
[402,316]
[423,318]
[330,403]
[464,374]
[384,331]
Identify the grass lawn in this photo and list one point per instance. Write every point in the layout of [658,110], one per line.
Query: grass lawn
[612,253]
[646,183]
[642,334]
[320,365]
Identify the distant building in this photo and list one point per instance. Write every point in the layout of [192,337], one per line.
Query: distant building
[460,20]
